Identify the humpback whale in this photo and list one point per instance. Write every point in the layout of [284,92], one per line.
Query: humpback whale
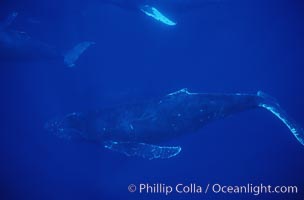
[138,129]
[151,8]
[19,46]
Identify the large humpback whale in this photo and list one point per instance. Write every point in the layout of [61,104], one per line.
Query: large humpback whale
[152,8]
[137,129]
[19,46]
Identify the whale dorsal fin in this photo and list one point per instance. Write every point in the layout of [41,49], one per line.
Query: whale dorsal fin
[143,150]
[9,20]
[178,92]
[157,15]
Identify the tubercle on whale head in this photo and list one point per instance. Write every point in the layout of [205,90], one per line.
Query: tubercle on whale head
[51,126]
[70,127]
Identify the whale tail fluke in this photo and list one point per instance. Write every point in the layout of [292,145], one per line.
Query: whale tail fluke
[270,104]
[71,56]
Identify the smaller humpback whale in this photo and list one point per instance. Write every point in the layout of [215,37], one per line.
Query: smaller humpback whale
[138,129]
[19,46]
[142,6]
[151,8]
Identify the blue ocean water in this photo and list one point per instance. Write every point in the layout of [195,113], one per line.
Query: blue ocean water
[224,46]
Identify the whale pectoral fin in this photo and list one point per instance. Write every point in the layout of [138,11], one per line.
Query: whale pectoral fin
[155,14]
[143,150]
[71,56]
